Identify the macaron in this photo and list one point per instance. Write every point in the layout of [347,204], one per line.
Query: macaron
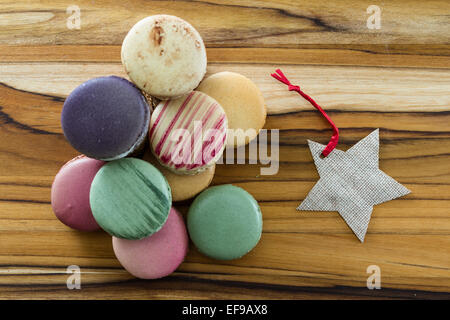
[183,186]
[187,134]
[158,255]
[164,56]
[106,118]
[70,193]
[243,103]
[130,198]
[224,222]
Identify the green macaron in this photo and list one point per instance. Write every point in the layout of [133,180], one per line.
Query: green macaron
[225,222]
[130,198]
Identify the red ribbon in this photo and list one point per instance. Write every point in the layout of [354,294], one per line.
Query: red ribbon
[335,137]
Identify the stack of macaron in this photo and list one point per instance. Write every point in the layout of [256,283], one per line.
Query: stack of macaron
[137,160]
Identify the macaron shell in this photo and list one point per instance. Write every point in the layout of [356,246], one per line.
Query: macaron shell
[183,186]
[106,118]
[130,198]
[224,222]
[242,101]
[204,123]
[70,193]
[158,255]
[164,56]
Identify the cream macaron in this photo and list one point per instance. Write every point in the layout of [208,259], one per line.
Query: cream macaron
[183,186]
[164,56]
[242,101]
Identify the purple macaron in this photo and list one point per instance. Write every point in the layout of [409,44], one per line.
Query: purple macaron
[70,193]
[106,118]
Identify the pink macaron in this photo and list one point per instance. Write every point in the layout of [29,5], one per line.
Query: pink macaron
[70,193]
[158,255]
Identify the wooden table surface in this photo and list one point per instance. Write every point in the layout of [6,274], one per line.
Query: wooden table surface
[395,78]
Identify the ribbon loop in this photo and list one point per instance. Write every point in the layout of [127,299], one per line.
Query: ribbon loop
[293,88]
[335,137]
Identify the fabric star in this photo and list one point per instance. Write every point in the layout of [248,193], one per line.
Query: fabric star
[351,183]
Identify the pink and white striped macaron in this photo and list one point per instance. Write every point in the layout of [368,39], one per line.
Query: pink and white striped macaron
[188,134]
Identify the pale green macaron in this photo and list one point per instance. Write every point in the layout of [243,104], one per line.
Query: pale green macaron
[130,198]
[225,222]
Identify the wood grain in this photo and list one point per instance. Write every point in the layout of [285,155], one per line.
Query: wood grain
[396,79]
[230,23]
[429,56]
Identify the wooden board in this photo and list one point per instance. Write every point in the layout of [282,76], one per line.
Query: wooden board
[395,78]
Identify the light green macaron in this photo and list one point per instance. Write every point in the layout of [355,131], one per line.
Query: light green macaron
[130,198]
[225,222]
